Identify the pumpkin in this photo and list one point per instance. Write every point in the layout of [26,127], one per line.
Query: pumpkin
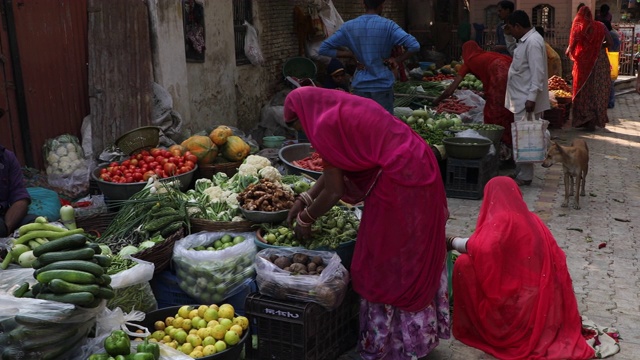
[203,148]
[220,134]
[235,149]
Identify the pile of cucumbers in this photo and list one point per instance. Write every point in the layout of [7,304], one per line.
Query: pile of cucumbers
[70,270]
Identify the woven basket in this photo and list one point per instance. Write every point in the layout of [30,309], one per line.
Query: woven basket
[137,139]
[207,171]
[96,223]
[198,225]
[160,254]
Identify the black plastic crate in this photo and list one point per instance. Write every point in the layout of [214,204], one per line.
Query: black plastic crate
[290,330]
[465,178]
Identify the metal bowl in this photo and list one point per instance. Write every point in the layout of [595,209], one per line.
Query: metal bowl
[117,191]
[466,148]
[265,216]
[293,152]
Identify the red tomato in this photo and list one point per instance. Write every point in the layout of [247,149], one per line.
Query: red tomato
[191,157]
[170,168]
[144,153]
[174,160]
[155,152]
[176,152]
[164,161]
[103,171]
[147,175]
[184,169]
[138,176]
[134,162]
[139,156]
[113,164]
[149,159]
[190,164]
[165,153]
[126,163]
[153,164]
[159,158]
[129,179]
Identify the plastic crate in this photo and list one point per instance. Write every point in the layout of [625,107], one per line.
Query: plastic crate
[167,291]
[465,178]
[289,330]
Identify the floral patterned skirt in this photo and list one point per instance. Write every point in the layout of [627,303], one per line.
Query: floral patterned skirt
[389,333]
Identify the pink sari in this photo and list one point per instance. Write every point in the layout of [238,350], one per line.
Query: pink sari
[400,248]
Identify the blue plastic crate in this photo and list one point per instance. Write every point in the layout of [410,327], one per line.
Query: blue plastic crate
[167,292]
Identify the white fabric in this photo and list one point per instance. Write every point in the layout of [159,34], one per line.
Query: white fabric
[528,75]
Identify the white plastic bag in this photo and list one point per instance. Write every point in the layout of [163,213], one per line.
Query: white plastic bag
[529,139]
[330,17]
[211,276]
[470,133]
[132,288]
[66,165]
[252,46]
[327,289]
[468,97]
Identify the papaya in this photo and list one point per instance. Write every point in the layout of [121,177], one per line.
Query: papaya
[235,149]
[220,134]
[202,147]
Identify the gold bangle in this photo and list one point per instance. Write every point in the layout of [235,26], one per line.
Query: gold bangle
[302,222]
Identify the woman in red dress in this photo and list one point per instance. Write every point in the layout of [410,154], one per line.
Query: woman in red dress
[591,70]
[514,297]
[493,70]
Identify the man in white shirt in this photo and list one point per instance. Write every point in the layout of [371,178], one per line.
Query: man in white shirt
[527,87]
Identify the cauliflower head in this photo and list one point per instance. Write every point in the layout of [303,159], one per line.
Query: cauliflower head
[270,173]
[258,161]
[248,169]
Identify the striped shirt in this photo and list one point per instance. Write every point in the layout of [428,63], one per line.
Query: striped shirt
[371,38]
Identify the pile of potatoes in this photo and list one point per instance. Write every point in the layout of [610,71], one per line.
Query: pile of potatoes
[298,263]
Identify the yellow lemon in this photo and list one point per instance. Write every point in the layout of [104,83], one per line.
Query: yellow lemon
[169,320]
[218,332]
[193,313]
[226,311]
[202,309]
[209,350]
[226,323]
[237,329]
[184,311]
[210,314]
[220,345]
[242,321]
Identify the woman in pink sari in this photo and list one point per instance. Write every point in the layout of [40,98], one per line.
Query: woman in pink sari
[398,266]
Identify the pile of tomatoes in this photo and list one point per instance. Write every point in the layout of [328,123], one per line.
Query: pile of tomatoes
[141,166]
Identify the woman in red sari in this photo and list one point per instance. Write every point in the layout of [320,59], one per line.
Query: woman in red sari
[514,297]
[398,266]
[492,69]
[591,70]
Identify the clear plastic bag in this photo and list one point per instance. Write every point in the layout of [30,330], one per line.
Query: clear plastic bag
[327,289]
[468,97]
[66,166]
[211,276]
[252,46]
[132,288]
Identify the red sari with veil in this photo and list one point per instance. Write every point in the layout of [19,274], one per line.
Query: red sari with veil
[400,249]
[514,296]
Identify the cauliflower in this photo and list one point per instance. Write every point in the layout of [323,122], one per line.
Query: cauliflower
[214,193]
[258,161]
[61,151]
[247,169]
[270,173]
[237,218]
[232,200]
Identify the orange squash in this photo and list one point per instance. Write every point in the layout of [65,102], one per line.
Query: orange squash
[235,149]
[203,148]
[220,134]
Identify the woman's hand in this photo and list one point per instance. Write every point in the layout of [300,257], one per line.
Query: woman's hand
[302,232]
[297,207]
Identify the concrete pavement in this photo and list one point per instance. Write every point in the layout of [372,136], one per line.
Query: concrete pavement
[606,280]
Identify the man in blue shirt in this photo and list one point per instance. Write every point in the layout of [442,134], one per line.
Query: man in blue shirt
[370,39]
[505,8]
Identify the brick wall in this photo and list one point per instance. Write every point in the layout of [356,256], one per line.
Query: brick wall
[278,41]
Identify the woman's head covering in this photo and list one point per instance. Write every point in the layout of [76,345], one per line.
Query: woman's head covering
[470,49]
[585,41]
[334,67]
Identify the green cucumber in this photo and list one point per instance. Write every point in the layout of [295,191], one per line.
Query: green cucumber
[161,223]
[79,298]
[82,265]
[105,292]
[171,228]
[96,248]
[59,286]
[102,260]
[51,257]
[21,290]
[103,280]
[64,243]
[73,276]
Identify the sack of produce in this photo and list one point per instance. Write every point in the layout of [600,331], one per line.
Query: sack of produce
[66,166]
[132,288]
[34,328]
[212,266]
[302,275]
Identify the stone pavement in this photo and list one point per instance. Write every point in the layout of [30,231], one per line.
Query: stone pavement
[606,280]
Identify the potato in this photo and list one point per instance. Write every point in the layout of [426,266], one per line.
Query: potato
[312,267]
[282,262]
[317,260]
[300,258]
[297,268]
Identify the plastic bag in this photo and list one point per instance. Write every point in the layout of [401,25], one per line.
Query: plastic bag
[12,278]
[529,139]
[66,166]
[211,276]
[53,321]
[44,202]
[470,133]
[468,97]
[252,46]
[132,288]
[327,289]
[330,17]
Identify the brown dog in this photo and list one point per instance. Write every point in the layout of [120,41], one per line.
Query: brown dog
[575,164]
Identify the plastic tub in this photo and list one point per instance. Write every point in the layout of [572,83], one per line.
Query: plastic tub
[293,152]
[273,141]
[466,148]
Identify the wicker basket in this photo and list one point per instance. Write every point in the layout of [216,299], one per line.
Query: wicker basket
[207,171]
[138,139]
[198,225]
[96,223]
[160,254]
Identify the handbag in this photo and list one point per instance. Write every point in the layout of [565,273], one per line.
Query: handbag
[528,135]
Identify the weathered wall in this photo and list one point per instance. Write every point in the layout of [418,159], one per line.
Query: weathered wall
[565,10]
[217,91]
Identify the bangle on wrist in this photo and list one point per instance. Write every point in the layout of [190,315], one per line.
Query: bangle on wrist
[306,198]
[302,222]
[311,218]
